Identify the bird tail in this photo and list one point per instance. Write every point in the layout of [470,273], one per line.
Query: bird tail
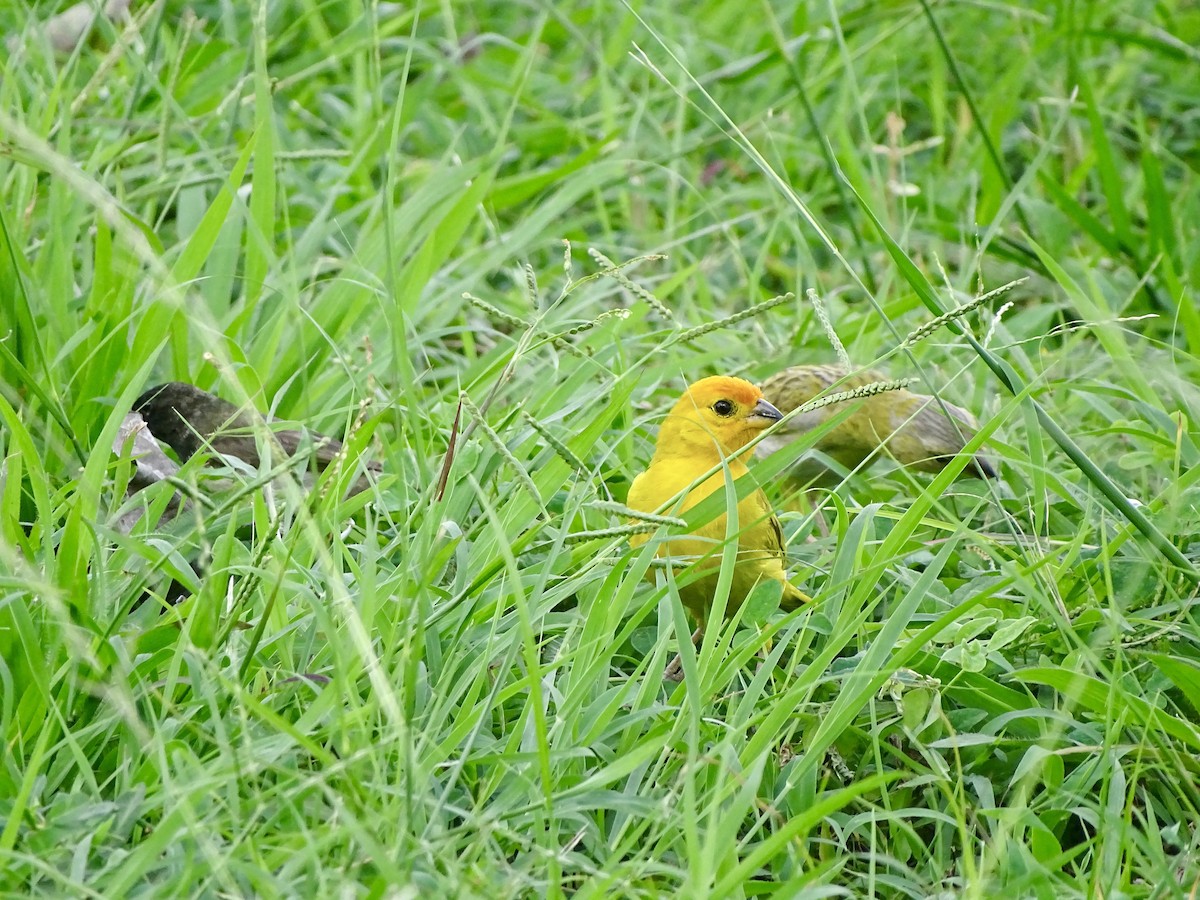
[941,437]
[793,597]
[983,467]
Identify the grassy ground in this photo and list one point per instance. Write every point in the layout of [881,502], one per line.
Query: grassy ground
[413,693]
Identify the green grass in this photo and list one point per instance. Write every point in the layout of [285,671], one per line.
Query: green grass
[997,691]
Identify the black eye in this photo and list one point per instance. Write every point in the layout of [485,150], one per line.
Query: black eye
[723,408]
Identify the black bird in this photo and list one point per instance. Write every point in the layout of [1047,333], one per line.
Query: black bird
[188,419]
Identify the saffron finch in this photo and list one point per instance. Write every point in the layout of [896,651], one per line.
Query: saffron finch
[714,420]
[911,428]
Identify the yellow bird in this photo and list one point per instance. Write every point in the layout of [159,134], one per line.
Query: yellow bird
[714,420]
[911,428]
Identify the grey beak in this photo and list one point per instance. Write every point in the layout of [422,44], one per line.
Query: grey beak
[764,410]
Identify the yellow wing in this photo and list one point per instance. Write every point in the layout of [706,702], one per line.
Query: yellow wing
[772,564]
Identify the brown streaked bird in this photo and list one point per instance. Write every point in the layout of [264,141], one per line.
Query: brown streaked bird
[187,419]
[714,420]
[910,428]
